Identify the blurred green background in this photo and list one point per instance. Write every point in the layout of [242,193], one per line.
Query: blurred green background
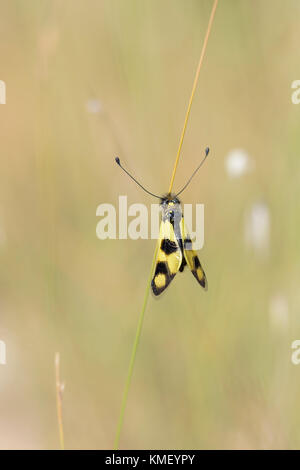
[89,80]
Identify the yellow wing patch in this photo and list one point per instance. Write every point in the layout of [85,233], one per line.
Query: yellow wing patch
[169,258]
[191,257]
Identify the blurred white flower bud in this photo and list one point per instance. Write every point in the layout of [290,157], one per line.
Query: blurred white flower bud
[238,163]
[93,106]
[279,312]
[257,228]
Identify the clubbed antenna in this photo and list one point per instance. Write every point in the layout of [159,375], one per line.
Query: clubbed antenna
[139,184]
[190,179]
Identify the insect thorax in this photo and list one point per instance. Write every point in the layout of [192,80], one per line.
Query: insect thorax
[171,208]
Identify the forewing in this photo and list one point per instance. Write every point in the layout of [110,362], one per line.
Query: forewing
[169,258]
[191,257]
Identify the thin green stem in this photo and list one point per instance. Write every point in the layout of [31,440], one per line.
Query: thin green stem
[211,19]
[141,317]
[133,355]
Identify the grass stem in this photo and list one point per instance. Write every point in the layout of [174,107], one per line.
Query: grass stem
[142,314]
[133,354]
[193,92]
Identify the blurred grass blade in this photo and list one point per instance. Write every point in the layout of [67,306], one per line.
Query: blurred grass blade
[59,392]
[211,19]
[141,317]
[133,354]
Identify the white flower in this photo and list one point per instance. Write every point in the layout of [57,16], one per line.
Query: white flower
[238,163]
[279,312]
[93,106]
[257,228]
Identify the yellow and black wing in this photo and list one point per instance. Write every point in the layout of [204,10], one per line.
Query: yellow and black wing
[191,256]
[169,258]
